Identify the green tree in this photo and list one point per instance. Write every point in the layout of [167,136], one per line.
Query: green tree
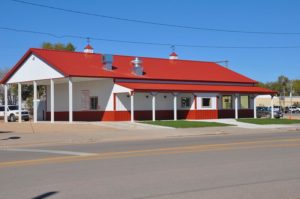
[296,87]
[283,82]
[58,46]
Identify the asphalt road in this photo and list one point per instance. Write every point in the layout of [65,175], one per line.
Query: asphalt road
[262,165]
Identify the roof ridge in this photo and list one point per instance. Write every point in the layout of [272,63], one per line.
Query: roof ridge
[147,57]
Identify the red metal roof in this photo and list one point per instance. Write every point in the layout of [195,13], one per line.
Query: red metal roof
[90,65]
[138,86]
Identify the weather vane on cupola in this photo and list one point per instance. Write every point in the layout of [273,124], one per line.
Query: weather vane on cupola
[173,55]
[88,48]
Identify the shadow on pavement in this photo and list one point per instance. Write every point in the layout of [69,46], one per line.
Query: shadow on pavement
[12,138]
[45,195]
[6,132]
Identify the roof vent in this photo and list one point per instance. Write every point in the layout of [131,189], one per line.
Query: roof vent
[88,49]
[107,61]
[173,56]
[137,68]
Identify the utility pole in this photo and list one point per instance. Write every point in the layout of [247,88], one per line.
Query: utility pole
[291,98]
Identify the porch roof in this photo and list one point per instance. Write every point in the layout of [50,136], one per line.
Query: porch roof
[167,87]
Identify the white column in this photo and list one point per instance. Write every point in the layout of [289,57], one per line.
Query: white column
[70,100]
[153,106]
[5,102]
[34,101]
[20,101]
[254,107]
[236,108]
[52,100]
[132,107]
[272,107]
[175,105]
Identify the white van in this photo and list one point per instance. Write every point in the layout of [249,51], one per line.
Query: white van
[13,113]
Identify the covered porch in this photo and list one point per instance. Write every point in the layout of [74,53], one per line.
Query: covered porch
[166,101]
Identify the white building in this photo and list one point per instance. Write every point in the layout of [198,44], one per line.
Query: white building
[87,86]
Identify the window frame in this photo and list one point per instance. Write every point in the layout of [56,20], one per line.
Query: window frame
[92,104]
[210,102]
[223,96]
[186,106]
[248,105]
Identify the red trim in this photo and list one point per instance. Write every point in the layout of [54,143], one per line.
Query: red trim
[163,87]
[22,60]
[15,68]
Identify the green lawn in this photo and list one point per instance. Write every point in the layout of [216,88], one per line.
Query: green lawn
[265,121]
[185,124]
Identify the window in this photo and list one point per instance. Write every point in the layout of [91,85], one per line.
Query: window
[185,102]
[1,108]
[93,103]
[227,102]
[206,102]
[13,108]
[244,102]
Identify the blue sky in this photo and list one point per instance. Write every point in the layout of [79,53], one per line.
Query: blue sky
[259,64]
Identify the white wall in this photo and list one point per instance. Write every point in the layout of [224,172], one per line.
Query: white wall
[142,102]
[164,101]
[34,69]
[101,88]
[213,97]
[105,88]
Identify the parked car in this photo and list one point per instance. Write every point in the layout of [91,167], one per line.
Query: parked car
[266,112]
[13,113]
[277,108]
[278,114]
[293,109]
[262,111]
[286,109]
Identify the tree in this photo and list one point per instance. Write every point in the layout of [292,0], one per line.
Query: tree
[59,46]
[283,82]
[296,87]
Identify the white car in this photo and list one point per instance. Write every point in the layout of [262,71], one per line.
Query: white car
[293,109]
[13,113]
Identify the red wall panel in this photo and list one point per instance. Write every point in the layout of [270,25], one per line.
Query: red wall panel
[138,115]
[230,113]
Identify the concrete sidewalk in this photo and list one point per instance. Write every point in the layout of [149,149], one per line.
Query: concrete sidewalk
[251,126]
[28,134]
